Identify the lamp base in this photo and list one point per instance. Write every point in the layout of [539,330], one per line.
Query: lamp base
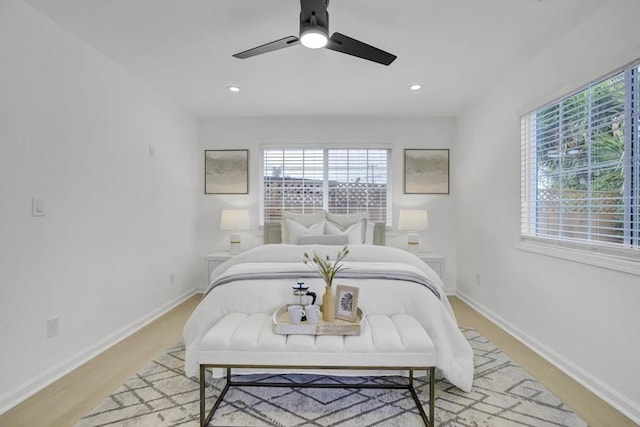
[413,241]
[235,247]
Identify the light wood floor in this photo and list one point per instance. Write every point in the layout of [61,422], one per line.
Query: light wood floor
[68,399]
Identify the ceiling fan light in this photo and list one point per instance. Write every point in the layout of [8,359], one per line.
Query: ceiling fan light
[313,39]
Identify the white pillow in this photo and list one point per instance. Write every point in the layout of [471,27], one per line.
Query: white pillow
[354,232]
[307,220]
[296,230]
[346,221]
[368,235]
[325,239]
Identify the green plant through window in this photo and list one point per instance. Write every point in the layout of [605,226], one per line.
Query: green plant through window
[581,165]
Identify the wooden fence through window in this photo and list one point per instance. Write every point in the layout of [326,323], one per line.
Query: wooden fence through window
[597,216]
[299,195]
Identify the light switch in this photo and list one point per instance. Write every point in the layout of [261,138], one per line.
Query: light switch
[37,206]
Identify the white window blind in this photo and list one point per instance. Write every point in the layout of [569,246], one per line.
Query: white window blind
[581,167]
[343,181]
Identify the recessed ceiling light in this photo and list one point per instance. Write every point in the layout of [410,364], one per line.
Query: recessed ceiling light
[233,88]
[415,87]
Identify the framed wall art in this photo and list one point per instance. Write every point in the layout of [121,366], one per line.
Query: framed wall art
[426,171]
[346,303]
[226,172]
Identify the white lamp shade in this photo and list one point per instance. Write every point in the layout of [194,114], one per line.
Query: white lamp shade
[234,219]
[413,220]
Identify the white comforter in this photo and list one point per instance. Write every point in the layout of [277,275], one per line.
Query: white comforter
[454,356]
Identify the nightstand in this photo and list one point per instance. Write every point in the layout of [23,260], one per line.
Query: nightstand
[433,260]
[214,259]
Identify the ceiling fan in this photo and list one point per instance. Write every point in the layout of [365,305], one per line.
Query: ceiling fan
[314,34]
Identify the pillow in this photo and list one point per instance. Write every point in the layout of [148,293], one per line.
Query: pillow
[354,232]
[307,220]
[346,221]
[296,230]
[326,239]
[368,235]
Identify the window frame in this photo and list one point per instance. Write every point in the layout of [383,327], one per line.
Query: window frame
[617,256]
[325,148]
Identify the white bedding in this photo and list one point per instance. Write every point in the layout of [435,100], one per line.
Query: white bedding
[378,294]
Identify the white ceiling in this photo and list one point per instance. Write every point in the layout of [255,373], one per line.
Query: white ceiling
[456,49]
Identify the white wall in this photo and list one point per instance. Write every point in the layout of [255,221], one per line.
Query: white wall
[76,129]
[398,134]
[584,318]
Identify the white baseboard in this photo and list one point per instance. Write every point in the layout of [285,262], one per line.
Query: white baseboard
[13,397]
[604,391]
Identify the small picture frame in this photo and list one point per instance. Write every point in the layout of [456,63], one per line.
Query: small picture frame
[347,303]
[226,171]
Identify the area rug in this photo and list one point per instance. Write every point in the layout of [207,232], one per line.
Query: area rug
[503,395]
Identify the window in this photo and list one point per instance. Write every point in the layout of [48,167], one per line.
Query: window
[581,167]
[343,181]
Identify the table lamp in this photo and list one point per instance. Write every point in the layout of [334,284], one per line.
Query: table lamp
[234,220]
[413,220]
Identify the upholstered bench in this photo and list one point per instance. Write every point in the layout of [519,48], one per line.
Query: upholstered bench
[386,343]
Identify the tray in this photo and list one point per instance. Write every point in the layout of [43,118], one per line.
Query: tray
[282,325]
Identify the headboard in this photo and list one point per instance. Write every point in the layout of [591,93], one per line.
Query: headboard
[273,234]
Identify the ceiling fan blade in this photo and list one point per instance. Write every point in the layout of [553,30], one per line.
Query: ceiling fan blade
[268,47]
[341,43]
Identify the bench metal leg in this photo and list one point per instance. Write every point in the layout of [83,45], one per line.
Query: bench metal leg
[202,370]
[206,419]
[428,420]
[432,396]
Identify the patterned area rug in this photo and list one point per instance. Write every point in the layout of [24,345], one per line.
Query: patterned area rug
[503,395]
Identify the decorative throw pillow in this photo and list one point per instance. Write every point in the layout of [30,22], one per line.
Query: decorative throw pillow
[307,220]
[296,230]
[368,235]
[325,239]
[354,232]
[346,221]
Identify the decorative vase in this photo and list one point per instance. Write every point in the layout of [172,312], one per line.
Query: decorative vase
[328,305]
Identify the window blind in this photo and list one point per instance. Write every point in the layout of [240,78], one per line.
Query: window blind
[581,166]
[343,181]
[358,182]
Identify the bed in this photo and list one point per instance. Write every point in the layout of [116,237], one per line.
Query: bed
[391,282]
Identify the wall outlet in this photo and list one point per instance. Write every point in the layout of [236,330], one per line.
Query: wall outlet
[477,279]
[37,206]
[52,327]
[172,278]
